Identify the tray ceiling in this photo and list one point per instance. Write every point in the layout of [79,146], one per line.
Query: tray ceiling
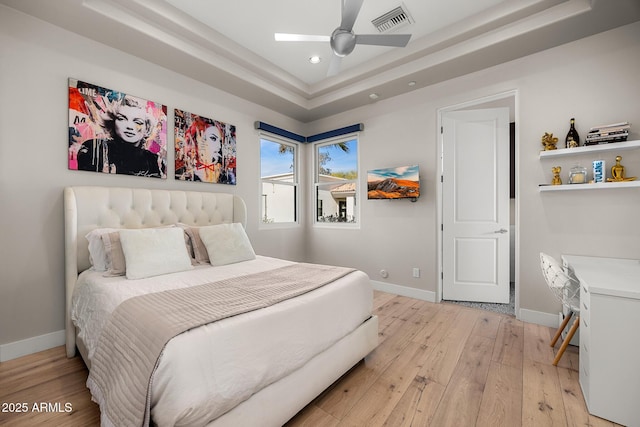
[230,45]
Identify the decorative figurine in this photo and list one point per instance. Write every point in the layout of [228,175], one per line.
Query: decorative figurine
[556,175]
[617,172]
[549,141]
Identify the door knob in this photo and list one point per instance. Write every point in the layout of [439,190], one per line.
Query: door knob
[501,231]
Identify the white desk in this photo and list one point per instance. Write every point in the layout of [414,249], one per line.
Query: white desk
[609,336]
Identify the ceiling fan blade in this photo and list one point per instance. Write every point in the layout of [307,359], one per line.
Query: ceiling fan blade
[334,65]
[350,10]
[396,40]
[284,37]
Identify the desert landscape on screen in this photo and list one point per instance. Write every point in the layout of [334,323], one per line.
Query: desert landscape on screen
[393,183]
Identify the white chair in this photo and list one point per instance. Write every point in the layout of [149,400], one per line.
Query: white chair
[567,290]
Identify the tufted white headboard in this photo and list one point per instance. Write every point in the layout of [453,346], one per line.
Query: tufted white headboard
[87,208]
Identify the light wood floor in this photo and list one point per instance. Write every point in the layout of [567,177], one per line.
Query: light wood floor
[436,365]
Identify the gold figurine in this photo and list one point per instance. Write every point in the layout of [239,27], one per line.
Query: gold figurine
[556,175]
[549,141]
[617,172]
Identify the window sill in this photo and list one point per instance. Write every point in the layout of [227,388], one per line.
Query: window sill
[278,225]
[337,225]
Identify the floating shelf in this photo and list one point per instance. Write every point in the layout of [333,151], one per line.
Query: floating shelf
[598,186]
[613,146]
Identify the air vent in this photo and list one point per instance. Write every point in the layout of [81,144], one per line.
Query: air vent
[395,18]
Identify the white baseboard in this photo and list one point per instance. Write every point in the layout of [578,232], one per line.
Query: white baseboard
[405,291]
[529,316]
[16,349]
[539,318]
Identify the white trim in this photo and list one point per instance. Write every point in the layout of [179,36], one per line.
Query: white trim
[316,176]
[530,316]
[277,225]
[515,93]
[295,177]
[16,349]
[32,345]
[405,291]
[539,318]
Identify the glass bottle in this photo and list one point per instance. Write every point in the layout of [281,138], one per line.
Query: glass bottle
[573,139]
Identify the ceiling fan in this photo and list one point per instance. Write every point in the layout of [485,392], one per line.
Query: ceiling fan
[343,40]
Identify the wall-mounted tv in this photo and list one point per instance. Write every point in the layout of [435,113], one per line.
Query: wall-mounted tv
[394,183]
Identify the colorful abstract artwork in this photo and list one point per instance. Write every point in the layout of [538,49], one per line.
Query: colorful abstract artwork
[112,132]
[205,149]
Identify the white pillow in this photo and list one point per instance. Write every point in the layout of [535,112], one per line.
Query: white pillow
[154,251]
[97,253]
[226,243]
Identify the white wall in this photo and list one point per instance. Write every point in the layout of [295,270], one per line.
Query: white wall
[36,59]
[594,80]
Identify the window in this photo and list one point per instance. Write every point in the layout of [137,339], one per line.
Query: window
[279,181]
[336,181]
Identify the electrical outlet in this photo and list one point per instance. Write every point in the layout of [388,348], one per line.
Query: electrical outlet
[416,272]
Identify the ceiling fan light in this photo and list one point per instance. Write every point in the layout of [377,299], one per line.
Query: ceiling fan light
[342,42]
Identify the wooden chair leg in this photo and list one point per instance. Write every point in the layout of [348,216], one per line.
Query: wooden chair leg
[566,341]
[565,322]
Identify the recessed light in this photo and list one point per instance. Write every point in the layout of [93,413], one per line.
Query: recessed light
[374,95]
[315,59]
[412,83]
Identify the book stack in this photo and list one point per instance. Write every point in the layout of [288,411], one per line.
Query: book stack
[608,133]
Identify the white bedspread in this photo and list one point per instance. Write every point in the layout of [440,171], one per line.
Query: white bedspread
[207,371]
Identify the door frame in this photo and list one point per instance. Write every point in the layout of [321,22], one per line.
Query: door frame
[482,102]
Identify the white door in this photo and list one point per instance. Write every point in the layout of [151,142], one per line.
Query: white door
[475,211]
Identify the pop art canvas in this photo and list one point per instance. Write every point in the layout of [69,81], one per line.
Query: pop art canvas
[112,132]
[205,149]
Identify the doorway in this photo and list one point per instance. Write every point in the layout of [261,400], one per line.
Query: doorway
[463,259]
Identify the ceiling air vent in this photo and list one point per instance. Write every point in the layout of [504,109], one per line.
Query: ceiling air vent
[395,18]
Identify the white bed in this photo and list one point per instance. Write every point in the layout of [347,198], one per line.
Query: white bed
[259,368]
